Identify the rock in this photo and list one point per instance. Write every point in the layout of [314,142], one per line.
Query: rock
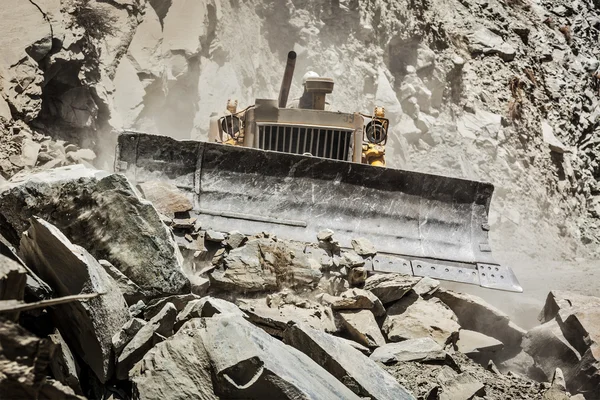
[102,213]
[390,287]
[13,278]
[179,301]
[549,349]
[386,96]
[551,140]
[478,346]
[244,271]
[348,365]
[214,236]
[558,380]
[479,124]
[131,292]
[63,366]
[426,286]
[362,327]
[475,314]
[482,40]
[363,247]
[413,318]
[87,325]
[127,332]
[178,368]
[29,152]
[236,239]
[352,259]
[423,349]
[158,328]
[325,235]
[276,320]
[357,276]
[206,307]
[248,363]
[462,387]
[354,299]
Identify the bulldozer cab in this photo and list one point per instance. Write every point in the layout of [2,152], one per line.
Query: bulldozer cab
[296,171]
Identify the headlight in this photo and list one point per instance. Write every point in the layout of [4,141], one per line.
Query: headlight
[231,125]
[376,131]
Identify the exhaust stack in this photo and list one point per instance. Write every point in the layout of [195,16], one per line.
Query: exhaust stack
[286,84]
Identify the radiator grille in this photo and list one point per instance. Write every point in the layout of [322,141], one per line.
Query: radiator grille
[318,141]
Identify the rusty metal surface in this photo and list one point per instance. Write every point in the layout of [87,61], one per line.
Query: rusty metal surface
[430,220]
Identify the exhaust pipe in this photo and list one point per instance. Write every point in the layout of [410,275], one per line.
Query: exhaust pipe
[286,84]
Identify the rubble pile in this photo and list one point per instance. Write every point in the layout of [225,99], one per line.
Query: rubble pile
[101,296]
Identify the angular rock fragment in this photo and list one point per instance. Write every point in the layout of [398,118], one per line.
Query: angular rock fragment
[475,314]
[422,349]
[13,278]
[347,364]
[361,327]
[87,325]
[276,320]
[179,301]
[63,366]
[158,328]
[131,292]
[206,307]
[413,318]
[35,287]
[178,368]
[236,239]
[127,332]
[102,213]
[214,236]
[355,299]
[462,387]
[248,363]
[390,287]
[166,197]
[363,247]
[478,346]
[426,286]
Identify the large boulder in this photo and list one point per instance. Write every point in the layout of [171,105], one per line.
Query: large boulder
[178,368]
[475,314]
[347,364]
[87,325]
[102,213]
[413,318]
[249,363]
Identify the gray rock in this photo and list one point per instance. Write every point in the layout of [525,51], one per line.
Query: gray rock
[426,286]
[158,328]
[475,314]
[13,277]
[423,349]
[166,197]
[361,327]
[478,346]
[179,301]
[102,213]
[355,299]
[325,235]
[348,365]
[34,285]
[131,292]
[363,247]
[248,363]
[236,239]
[87,325]
[482,40]
[127,332]
[413,318]
[352,259]
[178,368]
[276,320]
[551,140]
[390,287]
[462,387]
[206,307]
[549,349]
[63,365]
[214,236]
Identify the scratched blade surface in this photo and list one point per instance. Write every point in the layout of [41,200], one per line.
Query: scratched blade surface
[401,212]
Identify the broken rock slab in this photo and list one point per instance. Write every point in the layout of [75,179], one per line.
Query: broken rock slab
[131,292]
[179,301]
[413,318]
[362,375]
[390,287]
[87,325]
[178,368]
[363,247]
[102,213]
[475,314]
[477,346]
[13,278]
[63,365]
[462,387]
[360,325]
[206,307]
[127,332]
[422,349]
[156,330]
[248,363]
[166,197]
[355,299]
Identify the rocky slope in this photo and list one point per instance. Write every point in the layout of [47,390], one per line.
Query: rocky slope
[88,313]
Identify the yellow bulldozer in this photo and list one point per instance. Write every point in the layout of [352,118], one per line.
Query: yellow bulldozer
[294,171]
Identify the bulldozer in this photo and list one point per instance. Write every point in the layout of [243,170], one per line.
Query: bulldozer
[295,171]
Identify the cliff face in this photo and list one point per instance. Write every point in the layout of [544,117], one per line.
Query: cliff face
[482,89]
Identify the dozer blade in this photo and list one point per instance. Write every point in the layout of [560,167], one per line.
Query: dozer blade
[421,224]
